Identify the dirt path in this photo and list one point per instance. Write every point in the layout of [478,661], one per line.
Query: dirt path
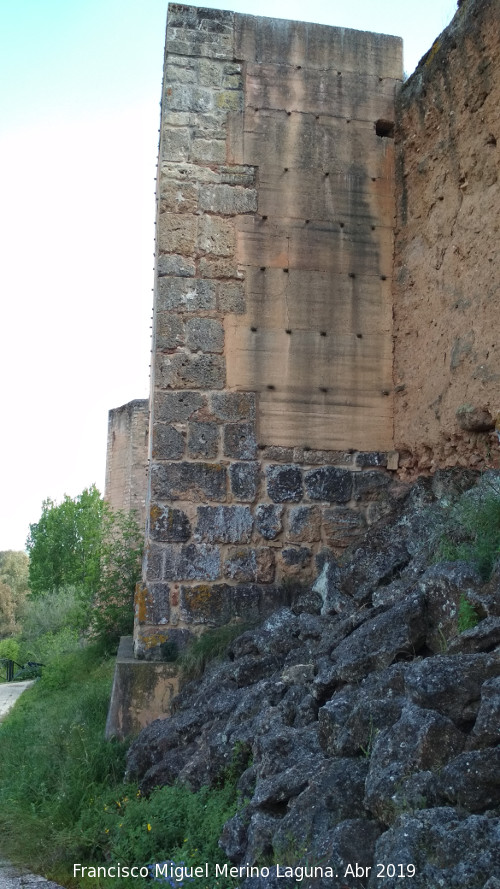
[9,693]
[11,878]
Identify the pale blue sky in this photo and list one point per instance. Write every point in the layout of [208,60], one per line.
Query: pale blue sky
[80,84]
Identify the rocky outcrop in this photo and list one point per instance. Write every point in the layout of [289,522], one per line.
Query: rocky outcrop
[368,724]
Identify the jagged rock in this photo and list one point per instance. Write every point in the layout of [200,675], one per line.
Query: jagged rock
[472,780]
[447,848]
[484,637]
[486,731]
[350,720]
[391,635]
[420,740]
[443,586]
[451,684]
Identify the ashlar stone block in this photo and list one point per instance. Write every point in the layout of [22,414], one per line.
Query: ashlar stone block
[284,483]
[304,524]
[244,479]
[329,484]
[224,524]
[188,481]
[191,562]
[233,406]
[177,233]
[176,265]
[205,334]
[269,520]
[177,407]
[245,565]
[216,236]
[239,441]
[185,295]
[203,440]
[183,370]
[168,443]
[169,525]
[228,199]
[207,603]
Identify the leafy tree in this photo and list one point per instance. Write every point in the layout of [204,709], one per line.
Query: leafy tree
[121,559]
[13,589]
[65,544]
[84,544]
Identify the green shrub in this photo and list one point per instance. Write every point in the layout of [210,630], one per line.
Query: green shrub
[9,648]
[210,646]
[467,615]
[473,533]
[62,796]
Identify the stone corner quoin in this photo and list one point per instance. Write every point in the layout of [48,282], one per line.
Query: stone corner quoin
[271,399]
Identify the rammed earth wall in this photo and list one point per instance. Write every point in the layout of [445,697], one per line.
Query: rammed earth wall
[272,417]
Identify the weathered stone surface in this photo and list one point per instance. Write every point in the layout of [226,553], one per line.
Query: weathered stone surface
[239,441]
[471,781]
[169,525]
[227,199]
[233,406]
[216,235]
[244,478]
[205,334]
[304,524]
[447,847]
[419,740]
[177,234]
[206,603]
[189,481]
[168,443]
[284,483]
[295,560]
[342,526]
[484,637]
[183,294]
[203,440]
[349,718]
[398,632]
[486,731]
[231,297]
[451,684]
[190,371]
[370,485]
[444,586]
[224,524]
[170,332]
[177,407]
[245,564]
[269,520]
[191,562]
[176,265]
[329,483]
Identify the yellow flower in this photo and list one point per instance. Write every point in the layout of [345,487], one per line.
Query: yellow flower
[149,826]
[106,830]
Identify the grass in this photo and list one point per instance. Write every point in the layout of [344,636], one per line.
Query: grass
[62,796]
[211,646]
[474,532]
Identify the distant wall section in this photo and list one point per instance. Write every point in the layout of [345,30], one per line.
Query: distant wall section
[447,262]
[127,457]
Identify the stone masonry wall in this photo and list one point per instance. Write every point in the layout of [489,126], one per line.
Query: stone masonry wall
[447,267]
[243,494]
[127,458]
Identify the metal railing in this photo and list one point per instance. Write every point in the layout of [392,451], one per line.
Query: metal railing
[29,670]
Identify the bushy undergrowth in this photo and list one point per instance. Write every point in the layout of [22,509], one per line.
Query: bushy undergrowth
[210,646]
[62,796]
[473,534]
